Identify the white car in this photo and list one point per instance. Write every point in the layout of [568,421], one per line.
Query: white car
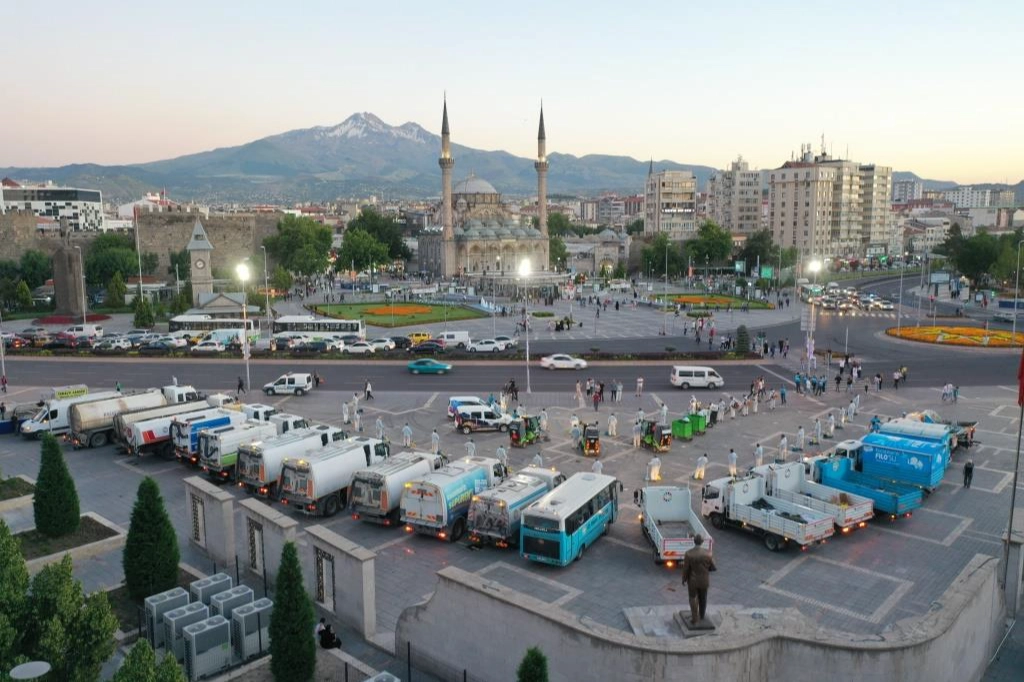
[382,344]
[506,342]
[359,348]
[562,362]
[176,341]
[208,347]
[119,343]
[486,346]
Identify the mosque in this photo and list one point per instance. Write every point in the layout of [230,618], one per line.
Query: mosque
[479,238]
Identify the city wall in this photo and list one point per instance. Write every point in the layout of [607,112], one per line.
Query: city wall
[486,628]
[18,234]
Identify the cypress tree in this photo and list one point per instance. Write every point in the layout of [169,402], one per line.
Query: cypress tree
[151,553]
[56,500]
[292,645]
[742,339]
[533,667]
[13,597]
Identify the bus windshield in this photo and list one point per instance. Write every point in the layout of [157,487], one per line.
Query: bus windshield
[540,523]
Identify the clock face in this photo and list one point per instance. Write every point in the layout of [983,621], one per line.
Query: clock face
[200,263]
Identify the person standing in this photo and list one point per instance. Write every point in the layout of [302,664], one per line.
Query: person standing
[663,420]
[638,431]
[758,454]
[357,422]
[702,463]
[117,386]
[407,435]
[501,455]
[538,461]
[782,394]
[597,467]
[800,438]
[639,386]
[596,398]
[817,431]
[968,473]
[380,428]
[697,566]
[345,417]
[355,402]
[470,448]
[831,425]
[732,462]
[579,394]
[435,442]
[783,447]
[543,420]
[613,425]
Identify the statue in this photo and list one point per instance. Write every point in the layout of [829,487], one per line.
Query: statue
[697,566]
[68,279]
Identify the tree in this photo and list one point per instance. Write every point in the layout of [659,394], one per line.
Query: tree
[139,665]
[712,244]
[384,229]
[620,270]
[144,316]
[72,632]
[301,245]
[360,249]
[13,588]
[742,338]
[533,667]
[100,265]
[281,279]
[653,256]
[9,269]
[168,670]
[23,296]
[35,268]
[151,552]
[557,253]
[56,500]
[976,256]
[635,227]
[559,225]
[759,248]
[150,262]
[183,261]
[292,646]
[116,291]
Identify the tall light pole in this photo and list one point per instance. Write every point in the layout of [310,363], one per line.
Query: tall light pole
[242,270]
[1016,294]
[814,267]
[524,272]
[899,304]
[266,286]
[3,345]
[664,321]
[81,264]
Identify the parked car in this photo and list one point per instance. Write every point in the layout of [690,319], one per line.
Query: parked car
[485,346]
[158,346]
[210,346]
[507,342]
[427,348]
[33,332]
[562,361]
[383,344]
[15,341]
[318,346]
[472,418]
[359,348]
[419,337]
[428,366]
[349,339]
[172,341]
[118,343]
[294,383]
[61,342]
[884,305]
[401,342]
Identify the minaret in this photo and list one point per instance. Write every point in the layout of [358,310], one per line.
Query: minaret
[541,165]
[448,266]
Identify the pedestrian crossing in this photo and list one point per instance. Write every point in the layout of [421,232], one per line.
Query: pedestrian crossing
[863,314]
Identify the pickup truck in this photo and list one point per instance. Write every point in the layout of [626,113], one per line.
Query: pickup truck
[494,514]
[889,497]
[743,503]
[669,523]
[789,482]
[376,494]
[438,503]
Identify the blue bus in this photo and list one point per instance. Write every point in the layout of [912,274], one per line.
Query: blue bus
[558,528]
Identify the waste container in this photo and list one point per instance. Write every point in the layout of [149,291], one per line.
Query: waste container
[700,423]
[682,428]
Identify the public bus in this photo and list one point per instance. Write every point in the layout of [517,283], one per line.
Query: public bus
[198,327]
[319,327]
[558,528]
[809,291]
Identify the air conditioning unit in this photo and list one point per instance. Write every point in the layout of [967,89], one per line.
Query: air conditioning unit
[207,647]
[174,626]
[225,602]
[156,606]
[250,632]
[203,590]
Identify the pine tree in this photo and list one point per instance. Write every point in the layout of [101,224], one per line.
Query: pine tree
[533,667]
[168,670]
[13,589]
[139,665]
[144,318]
[292,646]
[56,500]
[151,553]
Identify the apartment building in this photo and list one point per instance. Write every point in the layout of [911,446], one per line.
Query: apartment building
[734,198]
[670,204]
[906,190]
[1003,198]
[968,197]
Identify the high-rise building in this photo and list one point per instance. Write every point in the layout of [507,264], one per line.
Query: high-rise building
[1003,198]
[906,190]
[82,209]
[734,198]
[968,197]
[800,205]
[670,203]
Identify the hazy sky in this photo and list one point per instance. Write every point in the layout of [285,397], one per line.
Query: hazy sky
[933,87]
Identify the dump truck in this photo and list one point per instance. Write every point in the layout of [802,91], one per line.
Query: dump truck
[494,514]
[258,466]
[896,458]
[53,414]
[218,448]
[790,482]
[438,503]
[743,503]
[317,484]
[92,423]
[670,524]
[889,497]
[376,494]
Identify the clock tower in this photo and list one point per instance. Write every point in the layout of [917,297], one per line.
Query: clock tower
[199,250]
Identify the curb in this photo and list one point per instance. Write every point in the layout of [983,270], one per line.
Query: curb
[18,502]
[83,551]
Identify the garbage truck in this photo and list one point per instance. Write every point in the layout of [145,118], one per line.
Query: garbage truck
[789,482]
[185,431]
[670,524]
[376,494]
[123,423]
[317,484]
[258,466]
[494,514]
[92,423]
[438,503]
[743,503]
[218,448]
[889,497]
[153,435]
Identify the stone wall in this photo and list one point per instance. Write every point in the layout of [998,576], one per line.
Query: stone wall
[18,234]
[485,628]
[234,236]
[211,512]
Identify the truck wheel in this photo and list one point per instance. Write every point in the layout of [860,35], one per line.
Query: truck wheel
[98,440]
[267,391]
[300,392]
[458,529]
[717,520]
[771,541]
[331,505]
[579,555]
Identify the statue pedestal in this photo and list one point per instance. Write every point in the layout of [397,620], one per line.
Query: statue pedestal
[703,627]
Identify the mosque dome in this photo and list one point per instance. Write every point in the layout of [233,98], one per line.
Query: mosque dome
[473,185]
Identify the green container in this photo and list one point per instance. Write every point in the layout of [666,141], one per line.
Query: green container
[682,428]
[700,423]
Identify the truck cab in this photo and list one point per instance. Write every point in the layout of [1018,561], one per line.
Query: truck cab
[258,412]
[286,423]
[180,394]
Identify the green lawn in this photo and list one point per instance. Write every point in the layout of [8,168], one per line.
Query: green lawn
[355,311]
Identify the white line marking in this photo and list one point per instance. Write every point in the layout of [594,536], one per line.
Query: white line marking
[391,543]
[570,592]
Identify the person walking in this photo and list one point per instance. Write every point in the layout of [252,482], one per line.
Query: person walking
[732,462]
[407,435]
[597,467]
[697,567]
[613,425]
[639,386]
[345,417]
[368,391]
[240,388]
[471,448]
[782,394]
[663,417]
[379,424]
[783,447]
[702,463]
[896,380]
[968,473]
[435,442]
[538,461]
[501,455]
[758,454]
[596,399]
[653,474]
[638,431]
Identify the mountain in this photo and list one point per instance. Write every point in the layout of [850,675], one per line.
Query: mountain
[928,184]
[362,155]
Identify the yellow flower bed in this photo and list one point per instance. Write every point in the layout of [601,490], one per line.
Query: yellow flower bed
[959,336]
[399,309]
[697,299]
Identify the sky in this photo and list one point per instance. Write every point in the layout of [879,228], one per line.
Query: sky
[931,87]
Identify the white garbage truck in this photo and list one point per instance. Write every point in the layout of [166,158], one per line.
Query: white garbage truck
[218,447]
[670,524]
[376,494]
[317,484]
[743,503]
[438,503]
[789,482]
[124,423]
[494,514]
[259,462]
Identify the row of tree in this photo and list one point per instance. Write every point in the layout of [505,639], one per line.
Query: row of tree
[983,258]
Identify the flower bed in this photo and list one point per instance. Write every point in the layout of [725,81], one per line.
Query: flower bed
[399,309]
[719,300]
[959,336]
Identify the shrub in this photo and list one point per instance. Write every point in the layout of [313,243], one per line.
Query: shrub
[292,646]
[56,500]
[742,339]
[543,313]
[151,552]
[534,666]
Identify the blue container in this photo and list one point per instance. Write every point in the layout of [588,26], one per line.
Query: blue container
[889,497]
[922,463]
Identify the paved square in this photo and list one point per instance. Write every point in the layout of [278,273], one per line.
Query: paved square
[526,582]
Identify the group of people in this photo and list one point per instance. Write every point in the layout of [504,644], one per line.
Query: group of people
[595,392]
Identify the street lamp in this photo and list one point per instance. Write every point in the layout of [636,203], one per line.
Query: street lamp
[814,267]
[524,272]
[242,270]
[1016,294]
[81,264]
[899,304]
[266,286]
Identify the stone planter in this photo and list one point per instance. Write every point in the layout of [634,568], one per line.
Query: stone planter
[83,551]
[18,502]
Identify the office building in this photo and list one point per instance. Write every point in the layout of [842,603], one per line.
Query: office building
[81,209]
[734,198]
[670,203]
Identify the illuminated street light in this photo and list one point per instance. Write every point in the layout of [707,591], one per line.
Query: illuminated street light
[242,270]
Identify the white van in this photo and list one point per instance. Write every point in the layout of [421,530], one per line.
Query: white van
[295,383]
[690,376]
[455,339]
[89,331]
[457,401]
[470,418]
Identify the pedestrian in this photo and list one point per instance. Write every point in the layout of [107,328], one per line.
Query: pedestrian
[783,447]
[613,425]
[355,403]
[638,431]
[754,402]
[817,431]
[543,420]
[538,461]
[732,462]
[849,383]
[367,391]
[596,398]
[328,640]
[501,455]
[470,448]
[435,442]
[733,404]
[896,379]
[782,394]
[345,417]
[240,388]
[800,438]
[956,393]
[968,473]
[117,386]
[639,386]
[379,425]
[579,394]
[831,425]
[3,411]
[758,454]
[653,470]
[663,417]
[407,435]
[697,567]
[357,422]
[597,467]
[702,463]
[3,384]
[320,627]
